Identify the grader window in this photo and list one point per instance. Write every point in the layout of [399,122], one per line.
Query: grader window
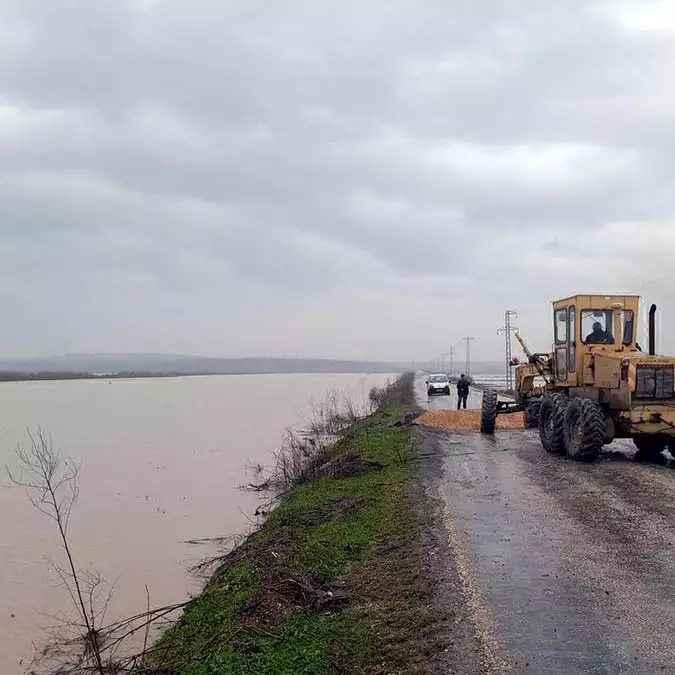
[596,326]
[573,337]
[561,326]
[561,363]
[628,326]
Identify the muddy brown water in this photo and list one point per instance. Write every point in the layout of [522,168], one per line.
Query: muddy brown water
[162,462]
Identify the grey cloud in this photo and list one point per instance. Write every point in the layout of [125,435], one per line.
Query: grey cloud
[162,161]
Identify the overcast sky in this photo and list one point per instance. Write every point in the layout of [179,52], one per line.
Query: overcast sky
[369,179]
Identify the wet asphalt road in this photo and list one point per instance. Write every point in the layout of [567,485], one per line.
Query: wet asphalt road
[566,568]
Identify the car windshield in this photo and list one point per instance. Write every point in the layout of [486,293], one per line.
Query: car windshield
[438,378]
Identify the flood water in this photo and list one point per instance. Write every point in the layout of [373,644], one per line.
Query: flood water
[162,462]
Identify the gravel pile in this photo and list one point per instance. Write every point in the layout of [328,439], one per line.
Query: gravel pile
[467,420]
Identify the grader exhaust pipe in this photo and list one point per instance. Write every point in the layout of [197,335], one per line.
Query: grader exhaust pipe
[652,330]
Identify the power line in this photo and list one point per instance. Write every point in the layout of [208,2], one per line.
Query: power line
[468,339]
[507,329]
[450,363]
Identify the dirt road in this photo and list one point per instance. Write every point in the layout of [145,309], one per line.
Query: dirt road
[565,568]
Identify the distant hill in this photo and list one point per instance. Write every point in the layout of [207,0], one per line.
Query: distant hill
[189,365]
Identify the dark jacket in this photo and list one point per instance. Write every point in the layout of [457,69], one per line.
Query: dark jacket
[599,337]
[462,387]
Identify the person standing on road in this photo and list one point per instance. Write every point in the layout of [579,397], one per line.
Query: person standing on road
[462,392]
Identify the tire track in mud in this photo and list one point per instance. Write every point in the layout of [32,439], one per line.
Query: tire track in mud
[472,648]
[622,514]
[628,506]
[574,560]
[490,649]
[517,577]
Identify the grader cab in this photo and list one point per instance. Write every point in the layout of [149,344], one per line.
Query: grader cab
[596,384]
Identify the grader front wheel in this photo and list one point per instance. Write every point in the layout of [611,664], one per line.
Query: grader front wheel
[551,423]
[584,430]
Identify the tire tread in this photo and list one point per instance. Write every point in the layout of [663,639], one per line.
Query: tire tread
[488,417]
[593,422]
[556,443]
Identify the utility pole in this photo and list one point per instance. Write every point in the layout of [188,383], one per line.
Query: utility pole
[452,360]
[507,329]
[468,339]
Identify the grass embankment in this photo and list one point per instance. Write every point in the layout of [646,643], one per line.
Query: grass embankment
[333,582]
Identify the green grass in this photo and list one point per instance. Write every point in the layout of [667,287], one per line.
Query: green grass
[212,619]
[303,646]
[358,535]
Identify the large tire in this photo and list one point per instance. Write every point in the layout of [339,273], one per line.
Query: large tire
[584,430]
[532,415]
[488,417]
[552,422]
[650,448]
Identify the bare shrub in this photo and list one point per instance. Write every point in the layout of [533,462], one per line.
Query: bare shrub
[303,452]
[83,645]
[401,392]
[351,411]
[304,455]
[377,396]
[51,486]
[298,457]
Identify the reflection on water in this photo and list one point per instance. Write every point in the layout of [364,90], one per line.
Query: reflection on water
[161,464]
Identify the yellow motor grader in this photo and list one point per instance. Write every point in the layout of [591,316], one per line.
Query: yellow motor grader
[596,385]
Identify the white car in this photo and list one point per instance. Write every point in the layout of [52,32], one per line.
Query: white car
[438,384]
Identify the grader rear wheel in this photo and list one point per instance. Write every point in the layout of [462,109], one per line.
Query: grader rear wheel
[488,417]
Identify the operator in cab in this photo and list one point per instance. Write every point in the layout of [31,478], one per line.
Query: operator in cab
[599,336]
